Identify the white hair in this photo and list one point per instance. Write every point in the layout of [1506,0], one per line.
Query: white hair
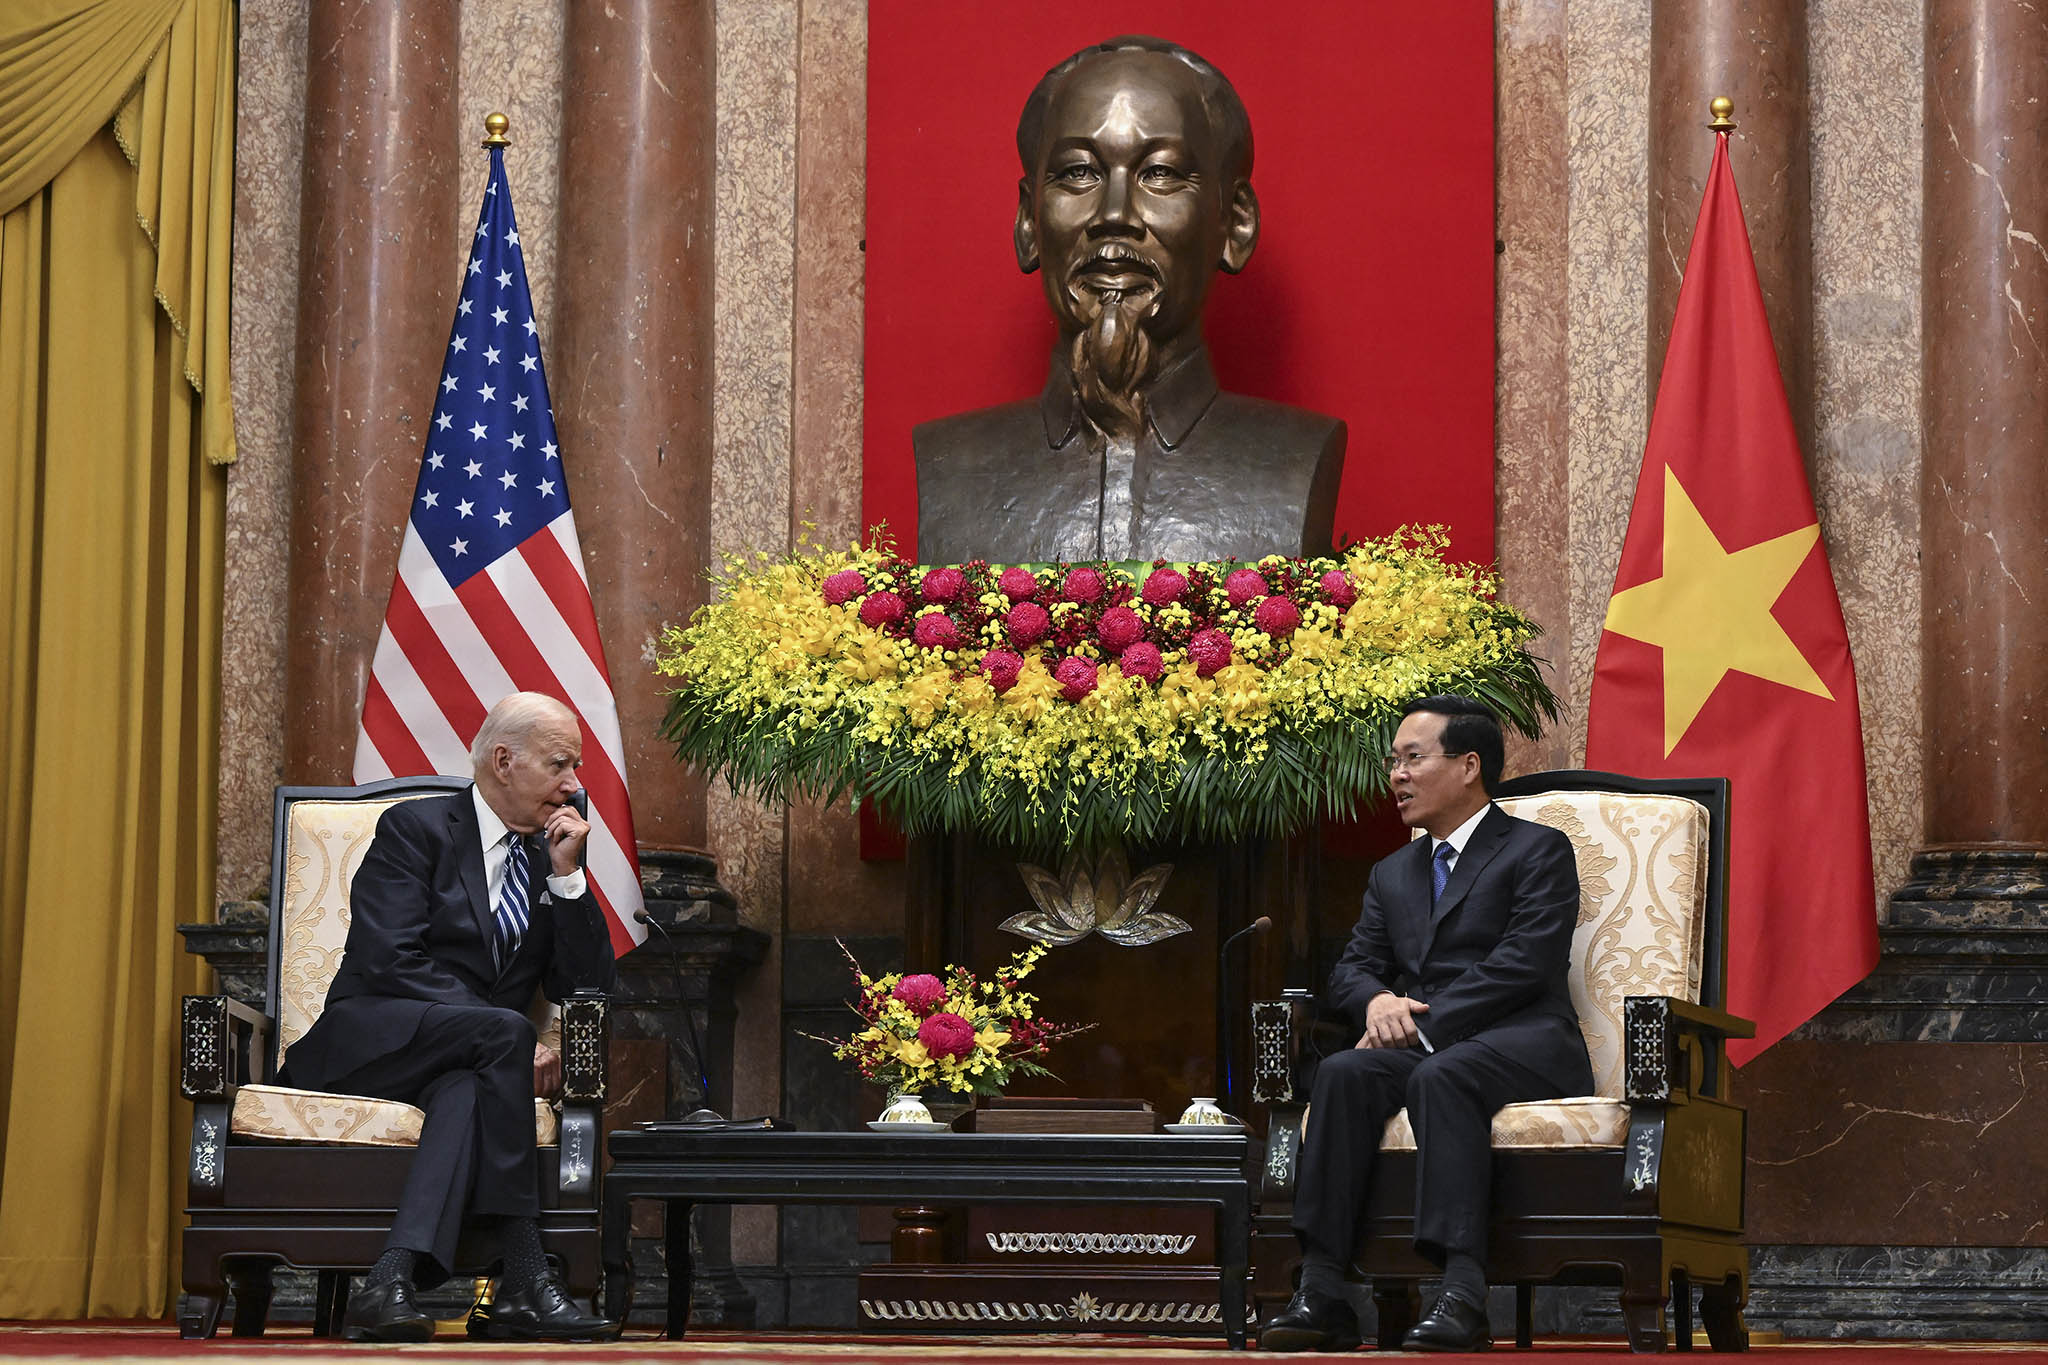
[510,722]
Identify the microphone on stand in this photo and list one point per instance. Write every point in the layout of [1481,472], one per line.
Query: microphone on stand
[1257,926]
[1226,1085]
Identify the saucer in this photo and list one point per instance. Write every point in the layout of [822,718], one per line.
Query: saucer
[1196,1129]
[882,1127]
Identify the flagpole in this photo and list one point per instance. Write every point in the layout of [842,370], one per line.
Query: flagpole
[495,125]
[1722,107]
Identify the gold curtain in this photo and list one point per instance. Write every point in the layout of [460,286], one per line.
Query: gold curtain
[116,182]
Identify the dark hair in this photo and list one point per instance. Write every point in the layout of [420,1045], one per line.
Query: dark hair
[1229,124]
[1470,727]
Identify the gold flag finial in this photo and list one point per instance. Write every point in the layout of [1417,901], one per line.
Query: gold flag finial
[1722,107]
[495,125]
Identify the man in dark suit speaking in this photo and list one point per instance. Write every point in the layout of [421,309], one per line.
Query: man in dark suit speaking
[463,906]
[1455,975]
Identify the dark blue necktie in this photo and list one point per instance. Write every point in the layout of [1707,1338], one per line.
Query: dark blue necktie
[1440,872]
[509,915]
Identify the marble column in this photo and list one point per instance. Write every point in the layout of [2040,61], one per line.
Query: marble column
[1532,384]
[1984,483]
[632,391]
[1754,52]
[380,224]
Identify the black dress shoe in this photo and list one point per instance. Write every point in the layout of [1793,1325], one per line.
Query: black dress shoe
[1454,1324]
[543,1311]
[1311,1322]
[386,1312]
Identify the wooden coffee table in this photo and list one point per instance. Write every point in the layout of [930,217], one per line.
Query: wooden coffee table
[684,1167]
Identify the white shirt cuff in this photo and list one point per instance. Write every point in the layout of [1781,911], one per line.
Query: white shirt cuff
[567,888]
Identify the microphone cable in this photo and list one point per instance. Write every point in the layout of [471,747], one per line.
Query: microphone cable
[689,1011]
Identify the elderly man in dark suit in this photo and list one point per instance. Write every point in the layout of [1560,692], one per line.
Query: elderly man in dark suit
[463,907]
[1456,978]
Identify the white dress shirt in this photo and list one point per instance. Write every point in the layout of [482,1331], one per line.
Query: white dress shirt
[1459,837]
[492,831]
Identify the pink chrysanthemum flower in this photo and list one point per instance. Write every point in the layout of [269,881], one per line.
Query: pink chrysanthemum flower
[1076,677]
[936,630]
[921,991]
[1001,668]
[844,586]
[1027,623]
[1141,660]
[946,1034]
[1118,628]
[1245,584]
[1210,649]
[1277,617]
[882,609]
[1164,587]
[942,585]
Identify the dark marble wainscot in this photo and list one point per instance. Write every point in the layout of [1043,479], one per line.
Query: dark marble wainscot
[1965,955]
[237,946]
[1896,1172]
[1870,1293]
[1904,1144]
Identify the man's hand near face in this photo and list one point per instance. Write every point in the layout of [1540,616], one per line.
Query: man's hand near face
[547,1071]
[566,831]
[1390,1021]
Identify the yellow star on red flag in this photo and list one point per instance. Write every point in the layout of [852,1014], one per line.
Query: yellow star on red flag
[1710,611]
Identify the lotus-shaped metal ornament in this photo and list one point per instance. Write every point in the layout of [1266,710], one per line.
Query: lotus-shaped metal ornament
[1104,900]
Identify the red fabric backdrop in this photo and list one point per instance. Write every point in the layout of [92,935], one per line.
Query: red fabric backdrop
[1370,296]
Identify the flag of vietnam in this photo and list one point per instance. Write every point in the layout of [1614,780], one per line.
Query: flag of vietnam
[1724,652]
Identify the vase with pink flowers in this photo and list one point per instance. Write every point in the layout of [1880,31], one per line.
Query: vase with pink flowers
[957,1034]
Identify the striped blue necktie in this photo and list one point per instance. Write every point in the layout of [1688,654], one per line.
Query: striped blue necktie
[510,912]
[1440,872]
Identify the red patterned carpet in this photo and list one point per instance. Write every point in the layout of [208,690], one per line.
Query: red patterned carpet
[106,1342]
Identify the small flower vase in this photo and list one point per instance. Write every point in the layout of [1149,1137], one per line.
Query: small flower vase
[906,1107]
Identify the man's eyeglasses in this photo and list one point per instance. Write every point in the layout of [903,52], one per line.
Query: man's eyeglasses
[1406,762]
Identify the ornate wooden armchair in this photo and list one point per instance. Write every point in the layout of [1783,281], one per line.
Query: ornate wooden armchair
[1640,1183]
[295,1177]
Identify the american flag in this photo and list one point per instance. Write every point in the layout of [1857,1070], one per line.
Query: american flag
[490,596]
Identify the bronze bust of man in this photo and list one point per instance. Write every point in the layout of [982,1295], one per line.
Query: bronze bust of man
[1137,158]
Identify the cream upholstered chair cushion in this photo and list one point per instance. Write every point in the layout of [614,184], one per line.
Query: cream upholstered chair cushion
[1642,921]
[324,844]
[1586,1122]
[276,1113]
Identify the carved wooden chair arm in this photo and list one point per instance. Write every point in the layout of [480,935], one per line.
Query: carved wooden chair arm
[1280,1030]
[586,1031]
[221,1047]
[1674,1048]
[586,1027]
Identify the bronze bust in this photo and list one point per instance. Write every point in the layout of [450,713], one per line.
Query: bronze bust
[1136,188]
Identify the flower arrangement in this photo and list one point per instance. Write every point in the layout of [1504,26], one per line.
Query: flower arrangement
[956,1033]
[1075,706]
